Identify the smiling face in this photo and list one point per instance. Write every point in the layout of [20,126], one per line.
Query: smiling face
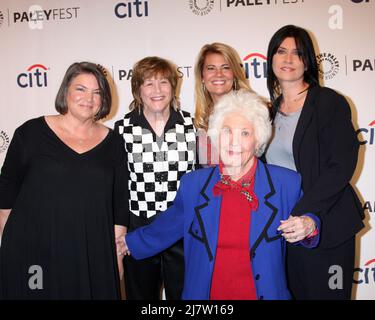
[156,95]
[83,97]
[217,76]
[287,63]
[237,144]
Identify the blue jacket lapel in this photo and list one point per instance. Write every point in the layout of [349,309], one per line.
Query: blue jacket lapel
[262,218]
[207,213]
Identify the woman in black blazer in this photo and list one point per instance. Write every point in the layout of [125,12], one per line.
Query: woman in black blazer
[314,135]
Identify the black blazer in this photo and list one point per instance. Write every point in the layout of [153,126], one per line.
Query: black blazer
[325,150]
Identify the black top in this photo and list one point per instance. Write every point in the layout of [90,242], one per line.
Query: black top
[64,207]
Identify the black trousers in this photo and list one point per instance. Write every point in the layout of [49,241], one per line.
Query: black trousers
[321,274]
[144,278]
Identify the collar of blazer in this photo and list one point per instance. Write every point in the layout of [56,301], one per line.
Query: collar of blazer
[303,122]
[207,212]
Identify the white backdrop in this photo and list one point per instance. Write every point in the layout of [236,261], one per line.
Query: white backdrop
[40,39]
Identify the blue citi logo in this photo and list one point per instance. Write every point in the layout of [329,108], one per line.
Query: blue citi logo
[255,65]
[367,133]
[36,75]
[130,9]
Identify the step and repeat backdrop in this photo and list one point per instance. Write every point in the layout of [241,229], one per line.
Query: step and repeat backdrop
[40,39]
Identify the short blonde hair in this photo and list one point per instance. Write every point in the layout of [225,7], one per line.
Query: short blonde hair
[249,105]
[148,67]
[203,101]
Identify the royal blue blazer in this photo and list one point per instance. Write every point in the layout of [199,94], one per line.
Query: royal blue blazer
[194,216]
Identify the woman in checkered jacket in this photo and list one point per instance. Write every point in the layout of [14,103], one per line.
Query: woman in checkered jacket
[159,140]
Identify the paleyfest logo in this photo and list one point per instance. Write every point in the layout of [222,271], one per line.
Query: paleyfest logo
[1,18]
[4,141]
[363,65]
[258,3]
[329,65]
[201,7]
[369,206]
[184,71]
[36,15]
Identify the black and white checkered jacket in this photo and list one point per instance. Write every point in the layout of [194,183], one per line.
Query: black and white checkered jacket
[155,169]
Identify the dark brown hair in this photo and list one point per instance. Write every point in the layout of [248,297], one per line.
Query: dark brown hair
[77,69]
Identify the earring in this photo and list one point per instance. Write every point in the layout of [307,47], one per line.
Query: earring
[235,84]
[203,87]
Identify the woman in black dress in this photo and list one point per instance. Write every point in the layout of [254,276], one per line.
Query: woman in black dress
[62,191]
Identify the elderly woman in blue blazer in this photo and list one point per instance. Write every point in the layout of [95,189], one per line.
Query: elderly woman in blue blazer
[231,215]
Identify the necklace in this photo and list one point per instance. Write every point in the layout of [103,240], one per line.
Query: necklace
[298,97]
[291,106]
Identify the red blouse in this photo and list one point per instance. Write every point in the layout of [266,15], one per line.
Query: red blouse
[232,277]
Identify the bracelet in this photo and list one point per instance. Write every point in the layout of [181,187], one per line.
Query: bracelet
[312,233]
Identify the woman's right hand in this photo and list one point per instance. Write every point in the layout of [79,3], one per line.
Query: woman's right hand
[120,232]
[295,229]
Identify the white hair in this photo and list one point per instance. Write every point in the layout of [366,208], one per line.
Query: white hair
[249,105]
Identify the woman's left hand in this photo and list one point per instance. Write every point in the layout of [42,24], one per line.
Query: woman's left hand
[296,228]
[120,232]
